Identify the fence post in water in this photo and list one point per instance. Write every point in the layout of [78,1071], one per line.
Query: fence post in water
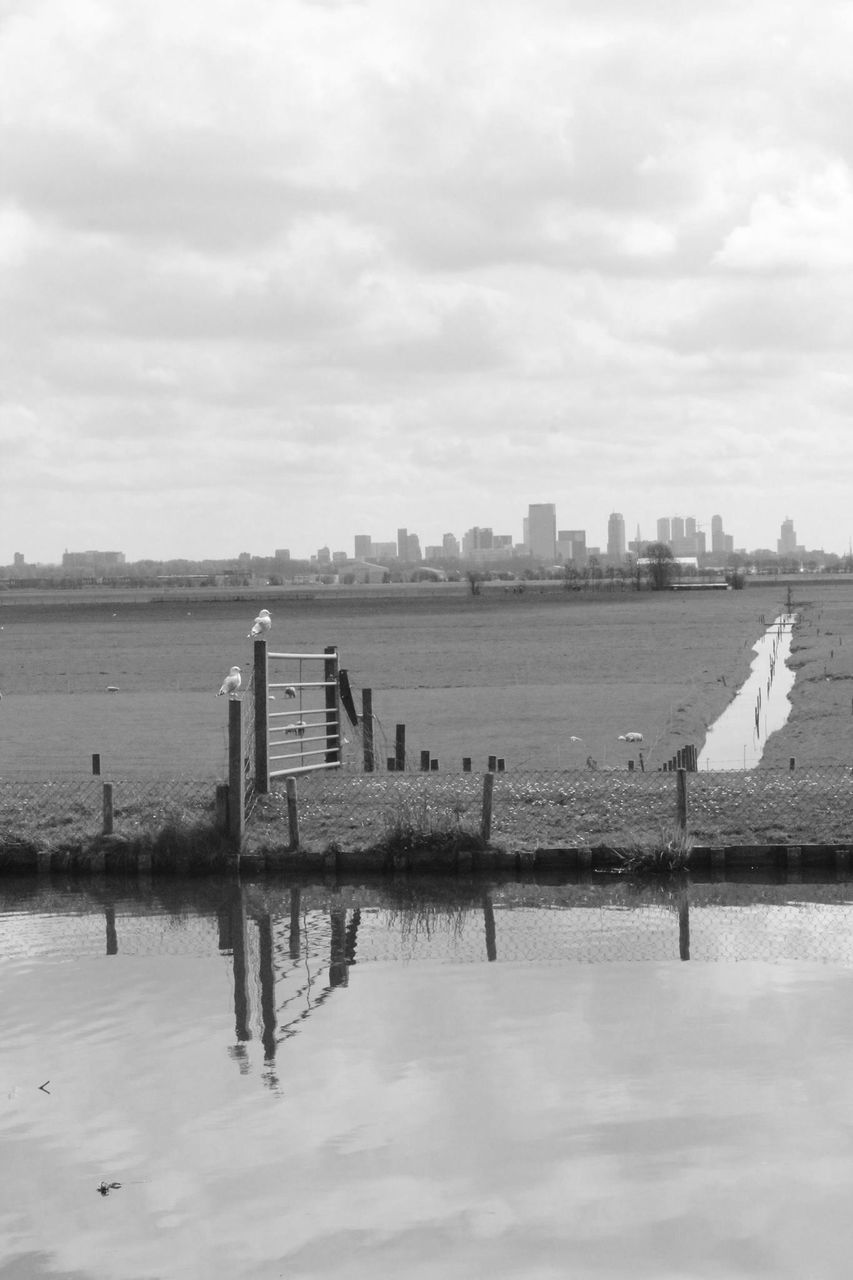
[236,793]
[466,764]
[630,766]
[486,824]
[493,763]
[367,729]
[96,765]
[433,764]
[424,762]
[681,800]
[262,768]
[400,748]
[333,709]
[108,808]
[391,764]
[292,813]
[792,762]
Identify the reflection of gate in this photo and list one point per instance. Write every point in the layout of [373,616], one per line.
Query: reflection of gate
[297,713]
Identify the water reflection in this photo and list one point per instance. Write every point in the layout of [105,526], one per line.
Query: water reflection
[459,1081]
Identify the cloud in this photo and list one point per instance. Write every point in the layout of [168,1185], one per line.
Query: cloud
[324,228]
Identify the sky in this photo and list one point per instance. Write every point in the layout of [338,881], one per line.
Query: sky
[274,273]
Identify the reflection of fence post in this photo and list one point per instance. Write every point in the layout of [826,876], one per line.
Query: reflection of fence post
[681,798]
[333,709]
[486,824]
[292,813]
[236,796]
[684,926]
[367,729]
[108,808]
[489,922]
[262,767]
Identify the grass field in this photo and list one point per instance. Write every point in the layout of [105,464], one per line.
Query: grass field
[501,674]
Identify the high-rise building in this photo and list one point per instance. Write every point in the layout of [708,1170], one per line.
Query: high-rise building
[718,537]
[413,548]
[542,531]
[676,529]
[402,544]
[571,546]
[362,545]
[664,530]
[690,527]
[450,546]
[787,542]
[477,539]
[616,537]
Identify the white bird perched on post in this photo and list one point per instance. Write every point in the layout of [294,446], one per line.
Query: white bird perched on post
[630,737]
[231,683]
[261,625]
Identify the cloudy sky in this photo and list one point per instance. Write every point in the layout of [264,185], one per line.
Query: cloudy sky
[276,272]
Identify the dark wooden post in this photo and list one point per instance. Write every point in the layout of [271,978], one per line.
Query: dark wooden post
[792,762]
[486,823]
[292,812]
[424,762]
[489,922]
[681,798]
[466,764]
[112,936]
[392,764]
[236,792]
[433,764]
[222,806]
[501,764]
[239,946]
[108,808]
[266,967]
[96,765]
[630,766]
[293,937]
[262,768]
[493,763]
[684,926]
[400,748]
[333,708]
[367,729]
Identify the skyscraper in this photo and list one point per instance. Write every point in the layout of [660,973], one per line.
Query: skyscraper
[787,542]
[616,537]
[542,531]
[664,531]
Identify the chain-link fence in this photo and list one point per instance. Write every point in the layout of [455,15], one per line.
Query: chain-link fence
[552,810]
[528,810]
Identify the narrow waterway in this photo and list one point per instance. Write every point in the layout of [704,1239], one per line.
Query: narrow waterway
[762,705]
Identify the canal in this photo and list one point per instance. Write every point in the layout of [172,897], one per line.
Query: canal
[519,1080]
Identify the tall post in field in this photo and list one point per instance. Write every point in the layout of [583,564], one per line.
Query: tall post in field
[681,798]
[236,789]
[367,729]
[262,767]
[333,709]
[486,823]
[108,809]
[400,748]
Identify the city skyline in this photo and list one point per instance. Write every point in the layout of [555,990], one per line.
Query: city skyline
[417,260]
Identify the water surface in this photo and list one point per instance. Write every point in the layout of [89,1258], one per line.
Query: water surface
[522,1082]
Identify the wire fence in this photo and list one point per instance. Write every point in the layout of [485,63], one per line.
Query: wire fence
[529,810]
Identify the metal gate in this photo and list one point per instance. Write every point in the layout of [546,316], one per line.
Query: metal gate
[297,713]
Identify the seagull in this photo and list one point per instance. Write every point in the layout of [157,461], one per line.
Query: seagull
[231,683]
[261,625]
[289,691]
[630,737]
[574,739]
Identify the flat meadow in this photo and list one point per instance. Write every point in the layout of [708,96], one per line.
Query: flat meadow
[514,675]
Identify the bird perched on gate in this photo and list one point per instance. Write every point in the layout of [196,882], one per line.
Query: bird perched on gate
[261,625]
[630,737]
[231,683]
[289,691]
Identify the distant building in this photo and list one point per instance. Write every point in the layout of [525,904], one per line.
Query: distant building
[450,547]
[571,547]
[413,548]
[98,561]
[403,544]
[616,537]
[362,545]
[282,553]
[664,530]
[542,531]
[477,539]
[787,542]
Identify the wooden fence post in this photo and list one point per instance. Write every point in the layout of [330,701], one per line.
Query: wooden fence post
[292,812]
[493,763]
[333,708]
[96,765]
[400,748]
[681,798]
[367,729]
[236,787]
[466,764]
[424,762]
[262,767]
[222,807]
[108,808]
[486,824]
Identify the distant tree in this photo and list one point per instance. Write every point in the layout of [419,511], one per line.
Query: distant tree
[661,565]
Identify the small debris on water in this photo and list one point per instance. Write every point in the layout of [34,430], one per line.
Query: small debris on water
[104,1188]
